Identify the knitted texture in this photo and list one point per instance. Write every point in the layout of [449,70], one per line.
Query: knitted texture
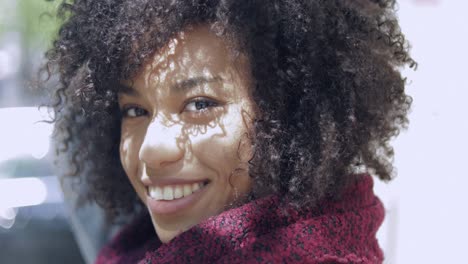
[260,232]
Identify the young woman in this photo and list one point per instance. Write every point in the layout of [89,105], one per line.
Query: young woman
[232,131]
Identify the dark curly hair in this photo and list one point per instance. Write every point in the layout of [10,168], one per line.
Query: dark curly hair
[326,83]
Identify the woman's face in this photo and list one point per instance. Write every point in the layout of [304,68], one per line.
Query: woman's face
[184,142]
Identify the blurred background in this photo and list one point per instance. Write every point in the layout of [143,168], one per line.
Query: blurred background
[33,218]
[427,214]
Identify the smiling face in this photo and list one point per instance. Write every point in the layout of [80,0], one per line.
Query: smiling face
[184,143]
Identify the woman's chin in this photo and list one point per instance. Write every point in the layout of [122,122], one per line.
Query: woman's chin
[166,235]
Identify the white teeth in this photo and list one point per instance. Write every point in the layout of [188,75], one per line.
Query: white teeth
[195,187]
[172,192]
[168,193]
[156,193]
[178,192]
[187,190]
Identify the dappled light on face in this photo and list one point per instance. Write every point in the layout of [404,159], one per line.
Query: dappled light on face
[159,145]
[186,122]
[158,70]
[212,128]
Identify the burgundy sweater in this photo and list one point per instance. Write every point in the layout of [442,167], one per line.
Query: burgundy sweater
[259,232]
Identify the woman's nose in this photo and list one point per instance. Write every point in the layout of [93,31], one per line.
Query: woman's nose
[161,144]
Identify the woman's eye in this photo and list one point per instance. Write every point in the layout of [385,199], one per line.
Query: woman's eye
[200,105]
[133,111]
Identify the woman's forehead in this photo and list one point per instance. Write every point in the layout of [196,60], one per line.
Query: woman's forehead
[192,54]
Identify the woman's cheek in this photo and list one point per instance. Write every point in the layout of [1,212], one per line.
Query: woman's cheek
[218,148]
[205,145]
[129,153]
[124,153]
[129,157]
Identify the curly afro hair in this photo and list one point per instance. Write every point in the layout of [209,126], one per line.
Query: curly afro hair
[326,76]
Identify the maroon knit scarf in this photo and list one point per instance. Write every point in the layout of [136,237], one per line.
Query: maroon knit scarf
[260,232]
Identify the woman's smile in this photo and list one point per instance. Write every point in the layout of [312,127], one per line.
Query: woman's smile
[174,192]
[171,199]
[183,141]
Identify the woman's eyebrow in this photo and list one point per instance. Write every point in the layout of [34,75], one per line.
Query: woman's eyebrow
[179,87]
[190,83]
[127,90]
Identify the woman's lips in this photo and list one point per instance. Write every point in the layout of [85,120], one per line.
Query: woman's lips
[169,199]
